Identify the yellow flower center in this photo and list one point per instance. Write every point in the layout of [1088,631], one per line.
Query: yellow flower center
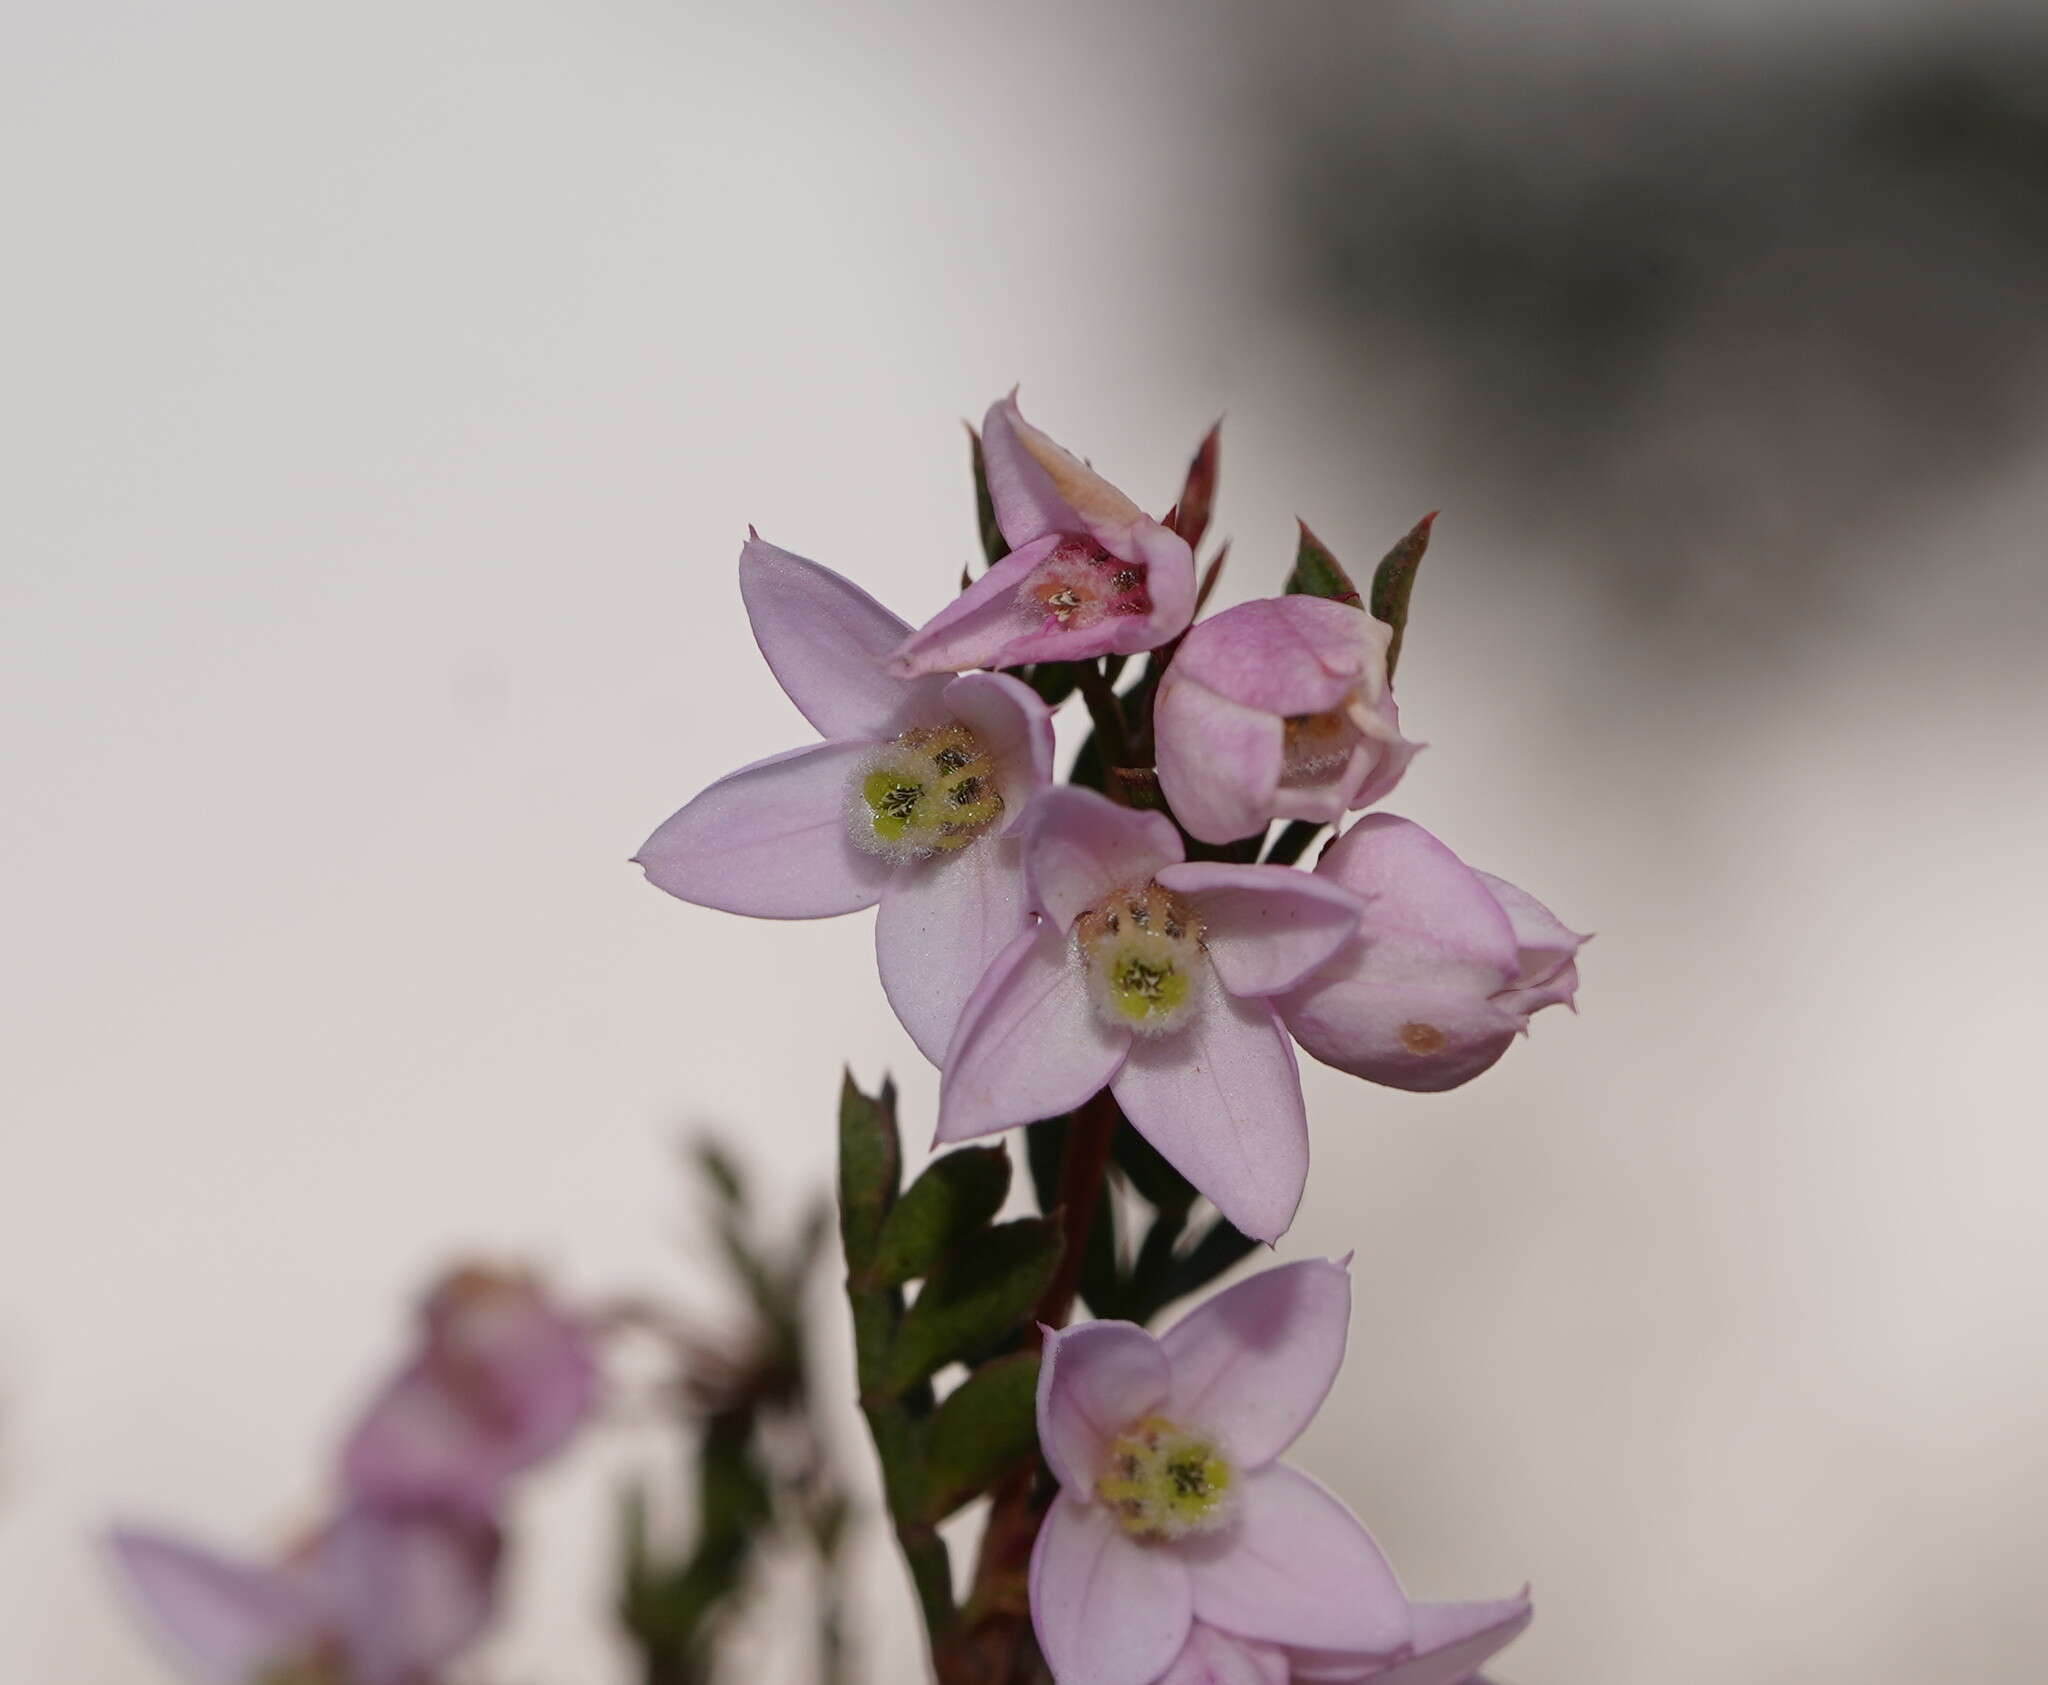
[1141,948]
[1163,1481]
[932,791]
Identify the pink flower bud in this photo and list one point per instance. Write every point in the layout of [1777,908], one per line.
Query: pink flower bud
[1446,969]
[501,1380]
[1278,709]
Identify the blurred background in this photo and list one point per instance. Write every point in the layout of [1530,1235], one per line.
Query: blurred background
[389,388]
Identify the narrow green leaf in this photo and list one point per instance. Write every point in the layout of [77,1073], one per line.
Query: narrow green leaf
[993,545]
[1146,1171]
[1393,581]
[1054,681]
[987,1425]
[1220,1247]
[1292,842]
[870,1169]
[720,1170]
[1045,1149]
[973,1300]
[1198,496]
[1210,575]
[1317,573]
[939,1213]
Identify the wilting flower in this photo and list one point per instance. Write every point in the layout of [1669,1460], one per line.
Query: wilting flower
[1278,709]
[1446,969]
[1148,974]
[502,1379]
[1450,1642]
[382,1596]
[1172,1509]
[907,801]
[1089,573]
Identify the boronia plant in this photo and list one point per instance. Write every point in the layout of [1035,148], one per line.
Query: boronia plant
[1120,965]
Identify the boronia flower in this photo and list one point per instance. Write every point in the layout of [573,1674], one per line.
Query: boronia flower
[1148,973]
[1172,1509]
[908,801]
[1089,573]
[501,1380]
[1446,970]
[382,1596]
[1278,709]
[1450,1643]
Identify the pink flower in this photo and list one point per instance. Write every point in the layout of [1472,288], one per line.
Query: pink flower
[501,1380]
[382,1596]
[908,800]
[1088,573]
[1446,969]
[1450,1643]
[1278,709]
[1148,974]
[1171,1509]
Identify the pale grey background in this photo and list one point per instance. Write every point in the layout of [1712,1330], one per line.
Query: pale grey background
[388,388]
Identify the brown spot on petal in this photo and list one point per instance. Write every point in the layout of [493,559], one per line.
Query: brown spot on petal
[1423,1038]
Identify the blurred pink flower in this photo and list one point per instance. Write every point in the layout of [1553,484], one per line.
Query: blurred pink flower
[908,801]
[1446,969]
[1149,974]
[1450,1642]
[1171,1508]
[1278,709]
[1089,573]
[502,1379]
[382,1596]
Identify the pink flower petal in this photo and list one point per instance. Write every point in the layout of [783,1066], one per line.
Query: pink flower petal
[1401,1035]
[1452,1641]
[1094,1380]
[1285,655]
[825,640]
[1013,727]
[1169,582]
[1080,846]
[1296,1568]
[221,1622]
[1038,488]
[981,627]
[1211,1657]
[1221,1100]
[771,841]
[1219,761]
[413,1588]
[1264,927]
[1546,950]
[942,924]
[1428,918]
[1029,1044]
[1107,1610]
[1253,1364]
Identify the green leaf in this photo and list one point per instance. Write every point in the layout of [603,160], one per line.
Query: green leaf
[870,1169]
[1054,681]
[1317,573]
[993,545]
[721,1171]
[1198,496]
[986,1427]
[1220,1247]
[1394,579]
[1045,1150]
[940,1213]
[973,1300]
[1292,842]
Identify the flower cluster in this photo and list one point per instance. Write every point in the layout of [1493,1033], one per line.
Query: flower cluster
[1124,948]
[1040,944]
[404,1573]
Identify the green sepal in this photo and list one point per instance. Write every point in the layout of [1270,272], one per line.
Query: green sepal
[993,545]
[986,1427]
[870,1169]
[1393,581]
[940,1213]
[973,1300]
[1317,573]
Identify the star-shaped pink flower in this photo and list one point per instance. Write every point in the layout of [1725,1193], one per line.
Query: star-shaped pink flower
[382,1596]
[1089,573]
[1149,973]
[1172,1509]
[909,800]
